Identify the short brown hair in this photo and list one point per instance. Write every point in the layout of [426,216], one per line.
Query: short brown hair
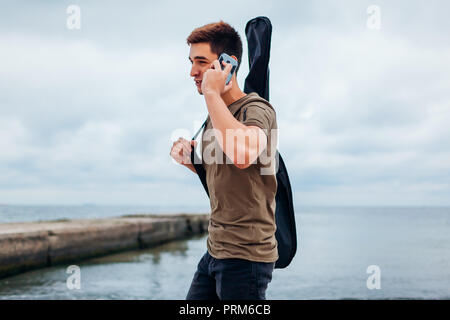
[221,37]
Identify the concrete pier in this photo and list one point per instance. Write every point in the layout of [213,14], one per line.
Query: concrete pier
[30,245]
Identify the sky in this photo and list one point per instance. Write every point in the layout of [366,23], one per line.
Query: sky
[88,115]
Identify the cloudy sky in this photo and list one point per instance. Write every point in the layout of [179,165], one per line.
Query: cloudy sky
[88,115]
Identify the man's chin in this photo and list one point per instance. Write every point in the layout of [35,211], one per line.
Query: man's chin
[200,91]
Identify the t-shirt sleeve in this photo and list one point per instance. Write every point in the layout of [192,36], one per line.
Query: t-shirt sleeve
[261,116]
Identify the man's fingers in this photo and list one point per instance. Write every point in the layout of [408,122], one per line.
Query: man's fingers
[180,152]
[228,86]
[227,67]
[217,65]
[175,150]
[187,145]
[185,155]
[177,141]
[184,150]
[182,141]
[178,148]
[182,147]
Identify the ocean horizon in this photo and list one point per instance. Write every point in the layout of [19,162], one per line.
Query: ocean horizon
[49,212]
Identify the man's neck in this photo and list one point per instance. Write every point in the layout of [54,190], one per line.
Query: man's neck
[233,95]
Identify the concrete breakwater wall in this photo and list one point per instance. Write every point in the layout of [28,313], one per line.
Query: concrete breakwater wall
[30,245]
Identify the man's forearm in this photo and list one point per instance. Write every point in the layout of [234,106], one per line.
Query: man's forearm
[223,120]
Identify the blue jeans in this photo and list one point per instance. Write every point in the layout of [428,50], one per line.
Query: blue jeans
[230,279]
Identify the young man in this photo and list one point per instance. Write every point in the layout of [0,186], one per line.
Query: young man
[241,246]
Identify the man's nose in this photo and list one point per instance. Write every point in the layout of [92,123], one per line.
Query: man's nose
[194,71]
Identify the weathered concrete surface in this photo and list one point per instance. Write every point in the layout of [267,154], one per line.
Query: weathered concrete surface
[30,245]
[19,252]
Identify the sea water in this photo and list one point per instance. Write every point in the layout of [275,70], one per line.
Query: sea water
[409,247]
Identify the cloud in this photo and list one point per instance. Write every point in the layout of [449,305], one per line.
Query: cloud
[89,116]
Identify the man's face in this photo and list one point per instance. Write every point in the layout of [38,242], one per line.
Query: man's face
[201,58]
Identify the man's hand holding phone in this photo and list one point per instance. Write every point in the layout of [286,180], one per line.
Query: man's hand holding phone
[214,79]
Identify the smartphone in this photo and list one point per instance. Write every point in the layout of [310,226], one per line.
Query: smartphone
[230,60]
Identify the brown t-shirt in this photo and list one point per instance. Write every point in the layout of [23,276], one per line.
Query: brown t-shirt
[242,223]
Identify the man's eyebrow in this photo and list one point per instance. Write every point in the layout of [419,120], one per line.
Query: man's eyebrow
[198,58]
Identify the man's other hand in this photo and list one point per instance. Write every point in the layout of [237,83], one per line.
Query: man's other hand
[181,151]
